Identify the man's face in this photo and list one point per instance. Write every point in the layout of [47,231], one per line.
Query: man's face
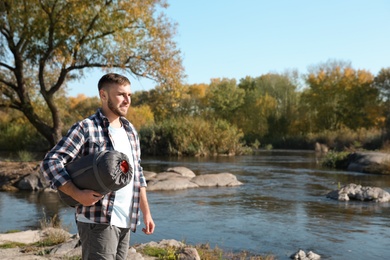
[119,99]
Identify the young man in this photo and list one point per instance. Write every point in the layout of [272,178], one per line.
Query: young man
[103,222]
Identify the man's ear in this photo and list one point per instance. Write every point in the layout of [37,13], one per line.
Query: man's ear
[103,94]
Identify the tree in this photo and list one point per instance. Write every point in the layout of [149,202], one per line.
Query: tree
[269,107]
[46,43]
[339,96]
[224,98]
[382,83]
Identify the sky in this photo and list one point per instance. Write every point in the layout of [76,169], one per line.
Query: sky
[238,38]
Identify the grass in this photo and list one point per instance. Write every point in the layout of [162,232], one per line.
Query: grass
[205,253]
[168,253]
[12,231]
[25,156]
[11,245]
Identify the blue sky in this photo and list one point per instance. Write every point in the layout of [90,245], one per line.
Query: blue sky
[239,38]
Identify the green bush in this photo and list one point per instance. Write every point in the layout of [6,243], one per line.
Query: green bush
[191,136]
[21,137]
[335,159]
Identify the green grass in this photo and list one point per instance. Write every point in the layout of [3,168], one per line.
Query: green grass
[205,253]
[25,156]
[12,231]
[11,245]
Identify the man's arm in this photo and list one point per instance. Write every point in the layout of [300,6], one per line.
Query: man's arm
[144,205]
[85,197]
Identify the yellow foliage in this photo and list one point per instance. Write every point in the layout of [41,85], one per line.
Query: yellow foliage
[74,101]
[140,116]
[197,90]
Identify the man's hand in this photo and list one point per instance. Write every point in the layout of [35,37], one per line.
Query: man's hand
[85,197]
[88,197]
[149,225]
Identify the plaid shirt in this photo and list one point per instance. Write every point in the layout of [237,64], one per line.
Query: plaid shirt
[90,136]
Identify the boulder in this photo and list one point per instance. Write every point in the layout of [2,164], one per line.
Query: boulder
[216,180]
[368,162]
[188,253]
[301,255]
[183,171]
[321,148]
[149,175]
[167,175]
[175,183]
[31,182]
[361,193]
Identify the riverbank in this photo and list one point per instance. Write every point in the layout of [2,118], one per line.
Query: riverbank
[37,245]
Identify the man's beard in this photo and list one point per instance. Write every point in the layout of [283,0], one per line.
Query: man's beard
[114,109]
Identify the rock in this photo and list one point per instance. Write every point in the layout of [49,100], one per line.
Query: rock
[134,255]
[31,182]
[25,237]
[188,254]
[175,183]
[321,148]
[313,256]
[216,180]
[183,171]
[21,176]
[301,255]
[358,192]
[163,243]
[69,249]
[149,175]
[167,175]
[368,162]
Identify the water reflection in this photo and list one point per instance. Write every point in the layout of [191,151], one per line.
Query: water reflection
[281,208]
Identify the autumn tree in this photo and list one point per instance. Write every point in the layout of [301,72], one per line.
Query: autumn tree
[340,96]
[46,43]
[79,107]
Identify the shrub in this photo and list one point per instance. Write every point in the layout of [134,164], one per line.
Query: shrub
[335,159]
[191,136]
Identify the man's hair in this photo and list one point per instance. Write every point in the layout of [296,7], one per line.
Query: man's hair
[112,78]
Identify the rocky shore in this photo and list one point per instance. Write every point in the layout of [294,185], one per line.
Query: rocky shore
[27,246]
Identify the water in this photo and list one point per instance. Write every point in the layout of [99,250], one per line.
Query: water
[281,208]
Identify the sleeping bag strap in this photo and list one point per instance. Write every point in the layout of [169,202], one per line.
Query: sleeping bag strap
[96,172]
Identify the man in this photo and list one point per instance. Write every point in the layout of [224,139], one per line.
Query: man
[103,222]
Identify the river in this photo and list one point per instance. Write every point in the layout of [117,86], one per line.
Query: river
[281,208]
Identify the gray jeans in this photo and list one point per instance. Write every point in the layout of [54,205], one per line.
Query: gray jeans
[103,242]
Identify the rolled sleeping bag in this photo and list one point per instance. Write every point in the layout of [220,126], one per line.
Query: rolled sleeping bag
[103,172]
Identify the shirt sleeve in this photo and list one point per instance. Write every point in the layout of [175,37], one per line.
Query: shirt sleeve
[66,150]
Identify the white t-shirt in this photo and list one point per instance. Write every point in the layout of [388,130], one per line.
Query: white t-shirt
[123,197]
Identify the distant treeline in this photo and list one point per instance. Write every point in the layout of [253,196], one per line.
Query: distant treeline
[332,104]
